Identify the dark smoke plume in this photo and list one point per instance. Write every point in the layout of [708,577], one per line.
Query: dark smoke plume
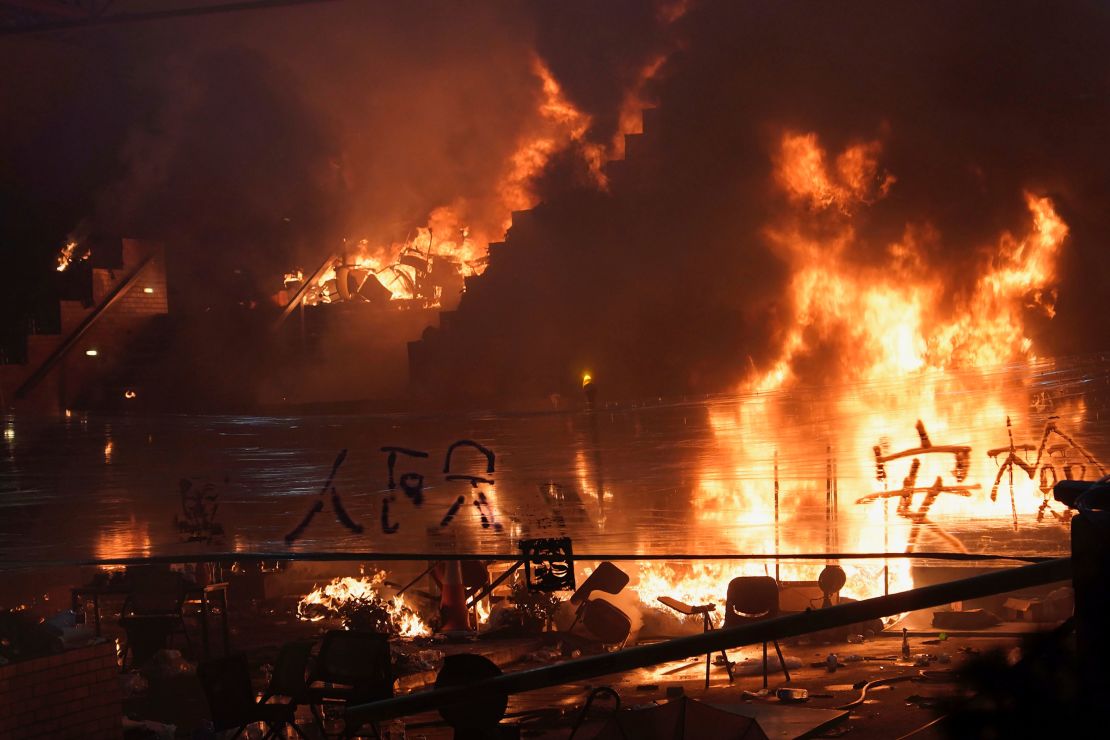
[669,282]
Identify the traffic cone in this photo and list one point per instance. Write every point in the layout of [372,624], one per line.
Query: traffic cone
[452,603]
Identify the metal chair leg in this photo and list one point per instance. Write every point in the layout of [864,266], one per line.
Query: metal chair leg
[782,660]
[728,666]
[765,664]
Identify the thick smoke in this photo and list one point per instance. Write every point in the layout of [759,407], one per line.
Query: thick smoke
[256,142]
[670,283]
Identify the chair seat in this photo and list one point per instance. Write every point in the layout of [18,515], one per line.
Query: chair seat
[684,608]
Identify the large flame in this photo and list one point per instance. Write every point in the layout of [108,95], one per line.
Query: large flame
[898,345]
[458,234]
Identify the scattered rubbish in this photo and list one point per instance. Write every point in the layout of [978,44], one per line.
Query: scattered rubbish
[149,729]
[905,643]
[942,636]
[839,731]
[921,660]
[940,676]
[792,695]
[1054,607]
[944,658]
[871,685]
[165,665]
[758,694]
[968,650]
[841,687]
[753,666]
[831,663]
[544,655]
[132,684]
[974,619]
[855,639]
[925,702]
[930,642]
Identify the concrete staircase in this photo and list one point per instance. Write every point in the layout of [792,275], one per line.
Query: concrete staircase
[62,370]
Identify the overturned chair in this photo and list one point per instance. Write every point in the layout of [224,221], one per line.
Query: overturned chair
[609,624]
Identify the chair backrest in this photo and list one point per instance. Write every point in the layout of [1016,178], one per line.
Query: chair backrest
[608,623]
[290,669]
[154,592]
[751,598]
[608,578]
[227,686]
[358,659]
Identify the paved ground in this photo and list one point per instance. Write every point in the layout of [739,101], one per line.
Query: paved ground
[891,711]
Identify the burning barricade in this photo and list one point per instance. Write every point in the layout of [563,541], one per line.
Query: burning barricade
[360,604]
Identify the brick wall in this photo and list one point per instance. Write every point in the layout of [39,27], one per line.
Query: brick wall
[75,694]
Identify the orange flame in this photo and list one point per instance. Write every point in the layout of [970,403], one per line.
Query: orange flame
[890,331]
[332,596]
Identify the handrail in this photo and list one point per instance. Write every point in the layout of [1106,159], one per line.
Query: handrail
[346,557]
[299,295]
[75,336]
[767,630]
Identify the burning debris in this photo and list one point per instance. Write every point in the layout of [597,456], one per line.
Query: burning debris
[361,604]
[69,254]
[425,271]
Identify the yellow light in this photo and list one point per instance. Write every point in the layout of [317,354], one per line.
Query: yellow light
[69,414]
[148,290]
[586,379]
[129,394]
[9,433]
[90,353]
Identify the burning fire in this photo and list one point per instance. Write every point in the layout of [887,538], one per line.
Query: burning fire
[451,243]
[328,600]
[905,347]
[65,256]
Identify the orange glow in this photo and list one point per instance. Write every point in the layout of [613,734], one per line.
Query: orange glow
[65,256]
[130,540]
[902,348]
[457,234]
[563,124]
[333,595]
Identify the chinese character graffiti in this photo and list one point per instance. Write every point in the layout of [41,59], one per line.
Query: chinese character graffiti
[919,517]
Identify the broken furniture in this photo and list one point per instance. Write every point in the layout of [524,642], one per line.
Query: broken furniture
[289,678]
[1056,606]
[152,613]
[227,686]
[205,597]
[609,624]
[752,599]
[351,668]
[703,610]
